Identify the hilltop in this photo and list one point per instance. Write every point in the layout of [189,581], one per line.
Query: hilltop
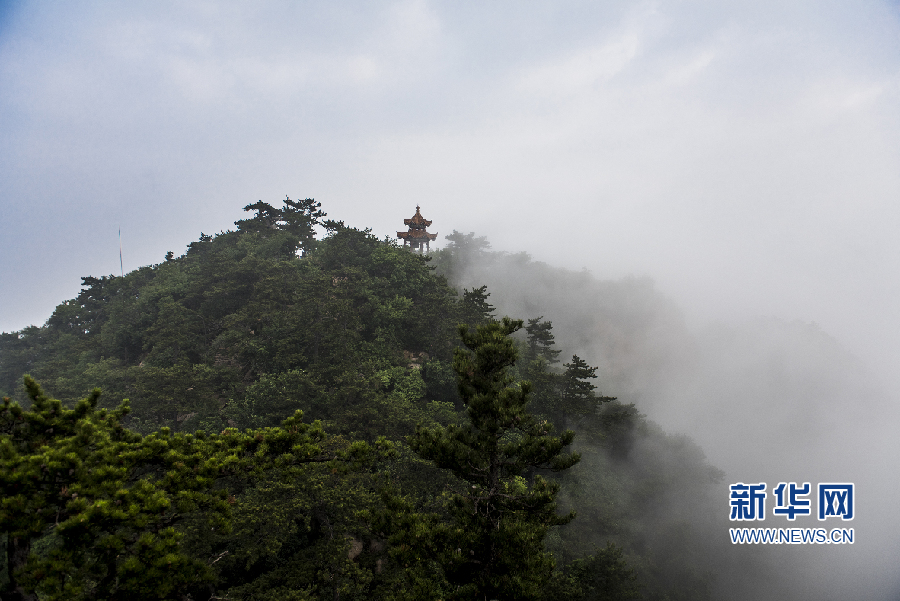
[359,334]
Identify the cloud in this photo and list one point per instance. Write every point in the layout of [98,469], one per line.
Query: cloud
[694,143]
[581,72]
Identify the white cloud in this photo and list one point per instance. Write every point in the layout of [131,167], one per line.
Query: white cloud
[580,72]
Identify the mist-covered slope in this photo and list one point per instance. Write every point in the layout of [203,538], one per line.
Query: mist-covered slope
[766,399]
[242,330]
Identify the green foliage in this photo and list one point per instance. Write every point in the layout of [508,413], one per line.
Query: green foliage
[460,244]
[503,510]
[298,527]
[187,340]
[540,341]
[105,502]
[577,397]
[576,386]
[602,576]
[461,250]
[475,309]
[296,217]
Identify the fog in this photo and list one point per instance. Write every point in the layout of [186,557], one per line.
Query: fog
[723,176]
[768,400]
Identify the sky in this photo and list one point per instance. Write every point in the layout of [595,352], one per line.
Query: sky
[745,156]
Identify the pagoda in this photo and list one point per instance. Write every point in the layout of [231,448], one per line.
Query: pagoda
[417,237]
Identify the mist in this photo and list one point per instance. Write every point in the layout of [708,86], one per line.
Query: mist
[767,400]
[709,191]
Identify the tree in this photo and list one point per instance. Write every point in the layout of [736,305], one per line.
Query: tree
[104,503]
[578,398]
[475,308]
[299,531]
[467,244]
[538,355]
[603,575]
[461,251]
[296,217]
[540,340]
[502,510]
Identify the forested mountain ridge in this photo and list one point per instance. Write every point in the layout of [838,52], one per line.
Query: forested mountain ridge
[240,332]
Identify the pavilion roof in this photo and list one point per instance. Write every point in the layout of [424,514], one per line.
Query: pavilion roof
[416,235]
[417,221]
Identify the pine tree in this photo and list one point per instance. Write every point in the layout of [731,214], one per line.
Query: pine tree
[540,340]
[475,308]
[104,502]
[578,397]
[297,217]
[503,510]
[576,387]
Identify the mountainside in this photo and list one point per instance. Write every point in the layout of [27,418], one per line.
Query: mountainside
[249,326]
[767,399]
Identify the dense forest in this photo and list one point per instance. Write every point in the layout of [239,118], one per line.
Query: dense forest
[330,418]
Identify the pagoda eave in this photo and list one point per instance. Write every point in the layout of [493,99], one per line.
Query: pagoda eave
[417,235]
